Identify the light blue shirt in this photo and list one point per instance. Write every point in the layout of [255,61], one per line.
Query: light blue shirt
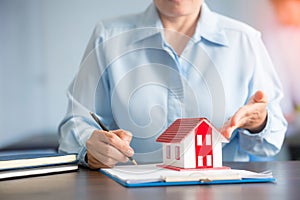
[133,79]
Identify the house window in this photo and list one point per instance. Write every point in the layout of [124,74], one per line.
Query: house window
[208,160]
[200,161]
[199,140]
[208,139]
[168,152]
[177,152]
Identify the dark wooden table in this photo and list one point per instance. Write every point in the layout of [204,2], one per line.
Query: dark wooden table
[87,184]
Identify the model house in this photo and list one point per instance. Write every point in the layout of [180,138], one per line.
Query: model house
[192,143]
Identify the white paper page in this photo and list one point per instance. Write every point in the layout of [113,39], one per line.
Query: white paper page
[153,173]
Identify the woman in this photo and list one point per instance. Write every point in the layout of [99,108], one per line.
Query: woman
[177,59]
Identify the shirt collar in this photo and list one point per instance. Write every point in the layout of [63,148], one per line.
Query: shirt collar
[150,18]
[149,24]
[208,26]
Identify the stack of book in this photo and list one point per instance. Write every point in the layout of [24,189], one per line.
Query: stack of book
[17,166]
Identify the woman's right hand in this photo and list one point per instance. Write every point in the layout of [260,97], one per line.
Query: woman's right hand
[106,149]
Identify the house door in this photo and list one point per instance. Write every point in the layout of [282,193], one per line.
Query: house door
[203,146]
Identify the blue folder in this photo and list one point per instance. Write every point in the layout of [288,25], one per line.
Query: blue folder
[183,183]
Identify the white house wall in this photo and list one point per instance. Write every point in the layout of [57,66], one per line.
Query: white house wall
[217,140]
[177,163]
[172,160]
[166,161]
[189,153]
[217,152]
[164,153]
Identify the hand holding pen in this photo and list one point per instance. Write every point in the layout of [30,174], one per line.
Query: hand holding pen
[106,148]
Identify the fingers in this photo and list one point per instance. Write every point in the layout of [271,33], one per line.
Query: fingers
[227,132]
[238,118]
[256,105]
[114,139]
[251,116]
[124,135]
[106,148]
[109,155]
[258,97]
[94,163]
[227,129]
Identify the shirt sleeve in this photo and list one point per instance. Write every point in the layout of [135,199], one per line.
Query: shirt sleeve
[269,141]
[88,86]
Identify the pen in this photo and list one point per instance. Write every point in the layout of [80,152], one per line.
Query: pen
[106,129]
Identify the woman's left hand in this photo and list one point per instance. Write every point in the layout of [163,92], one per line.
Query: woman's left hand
[252,116]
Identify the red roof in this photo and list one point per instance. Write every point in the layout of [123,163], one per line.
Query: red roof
[180,129]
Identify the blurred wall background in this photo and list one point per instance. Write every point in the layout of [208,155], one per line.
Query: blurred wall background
[41,45]
[279,23]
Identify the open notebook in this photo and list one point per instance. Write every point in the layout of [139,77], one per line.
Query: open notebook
[153,175]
